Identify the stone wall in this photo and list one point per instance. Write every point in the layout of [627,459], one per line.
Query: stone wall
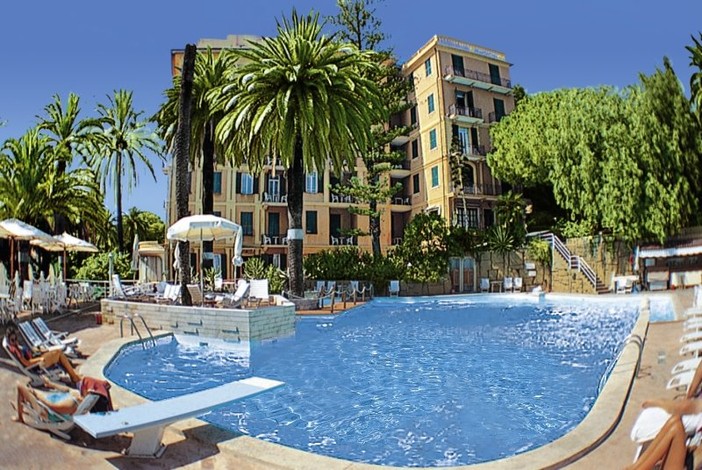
[265,322]
[606,258]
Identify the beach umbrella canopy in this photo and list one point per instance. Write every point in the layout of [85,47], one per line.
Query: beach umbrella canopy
[15,229]
[65,242]
[206,227]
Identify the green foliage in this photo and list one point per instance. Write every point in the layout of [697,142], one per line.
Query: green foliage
[147,225]
[624,162]
[511,215]
[539,251]
[277,279]
[350,263]
[96,267]
[466,241]
[425,249]
[254,268]
[696,78]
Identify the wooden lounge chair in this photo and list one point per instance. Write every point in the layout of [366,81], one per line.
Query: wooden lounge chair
[148,421]
[197,297]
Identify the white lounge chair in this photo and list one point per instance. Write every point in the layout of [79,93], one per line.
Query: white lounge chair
[680,380]
[394,289]
[39,416]
[121,292]
[687,364]
[57,338]
[258,291]
[507,284]
[237,299]
[484,284]
[692,324]
[691,348]
[693,312]
[35,342]
[148,421]
[649,423]
[691,337]
[35,371]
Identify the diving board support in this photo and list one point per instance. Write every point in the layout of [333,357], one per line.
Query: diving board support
[148,421]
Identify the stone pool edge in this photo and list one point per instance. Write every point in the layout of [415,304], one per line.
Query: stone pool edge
[591,432]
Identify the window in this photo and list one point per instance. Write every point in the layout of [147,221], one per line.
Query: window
[413,116]
[247,223]
[415,148]
[434,176]
[457,62]
[430,104]
[489,217]
[415,184]
[311,186]
[427,67]
[499,109]
[432,139]
[461,136]
[310,221]
[247,183]
[217,183]
[472,217]
[274,187]
[495,75]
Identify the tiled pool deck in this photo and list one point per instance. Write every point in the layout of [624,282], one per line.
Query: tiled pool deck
[195,444]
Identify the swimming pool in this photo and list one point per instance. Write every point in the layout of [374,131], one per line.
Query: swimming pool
[427,382]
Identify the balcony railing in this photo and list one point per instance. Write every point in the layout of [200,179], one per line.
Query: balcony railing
[479,76]
[455,110]
[475,150]
[495,117]
[342,240]
[483,189]
[401,200]
[275,197]
[271,239]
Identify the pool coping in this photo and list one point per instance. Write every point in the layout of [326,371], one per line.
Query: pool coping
[592,430]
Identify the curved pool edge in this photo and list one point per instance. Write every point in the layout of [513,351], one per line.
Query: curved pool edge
[586,436]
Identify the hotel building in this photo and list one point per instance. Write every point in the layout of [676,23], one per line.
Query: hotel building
[460,90]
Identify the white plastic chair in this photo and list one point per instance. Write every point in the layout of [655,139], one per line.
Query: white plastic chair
[484,284]
[394,289]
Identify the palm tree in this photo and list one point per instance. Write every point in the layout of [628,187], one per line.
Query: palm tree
[120,145]
[696,78]
[212,71]
[67,135]
[304,99]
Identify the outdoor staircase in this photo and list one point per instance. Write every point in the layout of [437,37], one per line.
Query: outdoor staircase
[575,262]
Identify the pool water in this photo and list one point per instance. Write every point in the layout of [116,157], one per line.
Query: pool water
[426,382]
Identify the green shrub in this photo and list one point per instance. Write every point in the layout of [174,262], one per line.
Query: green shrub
[96,267]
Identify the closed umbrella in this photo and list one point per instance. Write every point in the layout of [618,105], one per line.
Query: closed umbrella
[205,227]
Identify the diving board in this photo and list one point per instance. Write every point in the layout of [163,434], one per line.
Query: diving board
[148,420]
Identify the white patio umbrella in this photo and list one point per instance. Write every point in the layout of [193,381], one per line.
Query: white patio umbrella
[66,242]
[206,227]
[17,230]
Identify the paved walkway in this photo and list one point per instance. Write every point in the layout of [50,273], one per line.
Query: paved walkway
[24,447]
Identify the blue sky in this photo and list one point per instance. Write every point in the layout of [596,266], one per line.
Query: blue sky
[92,48]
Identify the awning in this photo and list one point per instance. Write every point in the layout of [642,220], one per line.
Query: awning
[670,252]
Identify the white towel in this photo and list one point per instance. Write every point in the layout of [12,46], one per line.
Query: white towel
[651,420]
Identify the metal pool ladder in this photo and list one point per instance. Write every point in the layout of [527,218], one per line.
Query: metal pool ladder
[134,328]
[633,338]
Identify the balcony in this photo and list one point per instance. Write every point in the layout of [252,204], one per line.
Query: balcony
[477,79]
[400,170]
[465,114]
[495,117]
[275,198]
[342,241]
[475,152]
[401,203]
[341,199]
[481,189]
[274,240]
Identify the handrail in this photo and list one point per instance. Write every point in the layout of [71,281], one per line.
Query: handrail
[133,328]
[574,261]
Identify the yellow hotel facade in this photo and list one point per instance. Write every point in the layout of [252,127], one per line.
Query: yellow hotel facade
[460,90]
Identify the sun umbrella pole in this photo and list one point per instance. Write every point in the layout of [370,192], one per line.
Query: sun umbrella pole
[202,262]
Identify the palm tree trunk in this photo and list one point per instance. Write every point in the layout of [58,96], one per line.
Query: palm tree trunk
[296,180]
[208,167]
[118,197]
[181,159]
[374,225]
